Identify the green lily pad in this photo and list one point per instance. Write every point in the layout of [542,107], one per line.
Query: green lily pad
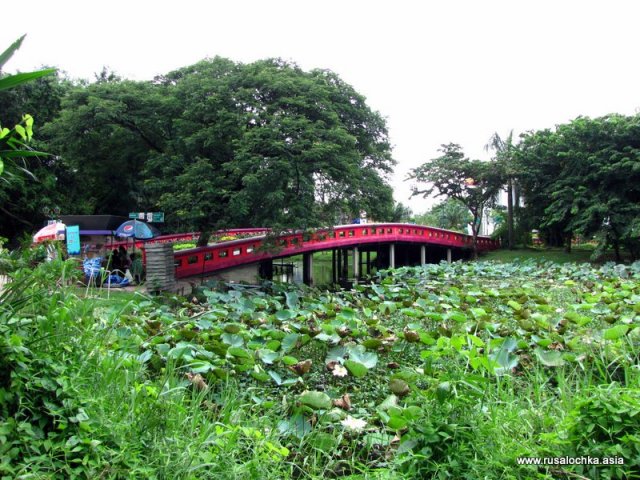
[232,339]
[267,356]
[614,333]
[387,403]
[550,358]
[259,374]
[296,425]
[356,369]
[359,354]
[397,423]
[372,343]
[315,400]
[289,341]
[289,360]
[238,352]
[284,315]
[514,305]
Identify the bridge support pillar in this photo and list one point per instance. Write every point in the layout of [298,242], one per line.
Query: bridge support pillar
[423,255]
[265,270]
[392,255]
[448,255]
[334,266]
[307,268]
[368,262]
[344,269]
[356,264]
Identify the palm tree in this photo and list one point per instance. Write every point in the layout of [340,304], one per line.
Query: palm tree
[505,150]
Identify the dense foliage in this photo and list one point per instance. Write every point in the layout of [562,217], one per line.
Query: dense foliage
[18,169]
[446,371]
[212,145]
[583,178]
[578,181]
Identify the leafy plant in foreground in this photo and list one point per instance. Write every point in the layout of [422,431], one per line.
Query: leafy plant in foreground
[40,414]
[604,423]
[13,142]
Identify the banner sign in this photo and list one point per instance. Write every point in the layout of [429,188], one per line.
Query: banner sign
[156,217]
[149,217]
[73,240]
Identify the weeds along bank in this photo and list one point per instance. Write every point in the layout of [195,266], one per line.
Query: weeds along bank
[449,371]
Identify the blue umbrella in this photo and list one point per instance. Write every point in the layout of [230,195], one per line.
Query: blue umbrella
[137,229]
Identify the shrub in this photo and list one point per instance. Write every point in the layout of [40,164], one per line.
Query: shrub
[604,423]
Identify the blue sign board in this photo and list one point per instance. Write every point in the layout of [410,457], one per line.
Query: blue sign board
[73,240]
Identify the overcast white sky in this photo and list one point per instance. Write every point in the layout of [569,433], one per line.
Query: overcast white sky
[439,71]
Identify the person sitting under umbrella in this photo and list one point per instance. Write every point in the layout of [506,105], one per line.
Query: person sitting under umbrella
[123,258]
[137,269]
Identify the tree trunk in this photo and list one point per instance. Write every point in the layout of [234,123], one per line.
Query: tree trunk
[510,239]
[555,238]
[567,245]
[616,249]
[475,228]
[204,237]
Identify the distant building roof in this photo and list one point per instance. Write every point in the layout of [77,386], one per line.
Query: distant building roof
[94,222]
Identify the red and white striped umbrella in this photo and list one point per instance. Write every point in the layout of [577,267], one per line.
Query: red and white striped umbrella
[53,231]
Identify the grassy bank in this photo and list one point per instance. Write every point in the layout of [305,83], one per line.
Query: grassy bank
[542,254]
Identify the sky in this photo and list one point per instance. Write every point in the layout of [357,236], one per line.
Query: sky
[438,71]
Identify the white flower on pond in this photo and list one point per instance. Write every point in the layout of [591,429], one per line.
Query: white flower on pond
[340,371]
[355,424]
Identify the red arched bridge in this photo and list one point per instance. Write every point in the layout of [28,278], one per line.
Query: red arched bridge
[362,246]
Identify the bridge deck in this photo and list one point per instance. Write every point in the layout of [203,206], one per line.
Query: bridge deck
[225,255]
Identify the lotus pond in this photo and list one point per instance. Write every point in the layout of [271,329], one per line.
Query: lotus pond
[444,371]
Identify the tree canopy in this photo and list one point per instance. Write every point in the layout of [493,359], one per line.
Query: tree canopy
[473,183]
[584,178]
[221,144]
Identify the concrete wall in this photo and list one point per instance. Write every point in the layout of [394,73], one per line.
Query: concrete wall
[243,274]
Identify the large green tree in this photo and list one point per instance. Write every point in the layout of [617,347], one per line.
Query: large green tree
[220,144]
[105,133]
[584,178]
[401,213]
[538,167]
[270,144]
[473,183]
[188,178]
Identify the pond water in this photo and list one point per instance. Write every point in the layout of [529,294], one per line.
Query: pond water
[290,271]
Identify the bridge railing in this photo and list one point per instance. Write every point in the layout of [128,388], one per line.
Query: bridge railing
[198,261]
[189,236]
